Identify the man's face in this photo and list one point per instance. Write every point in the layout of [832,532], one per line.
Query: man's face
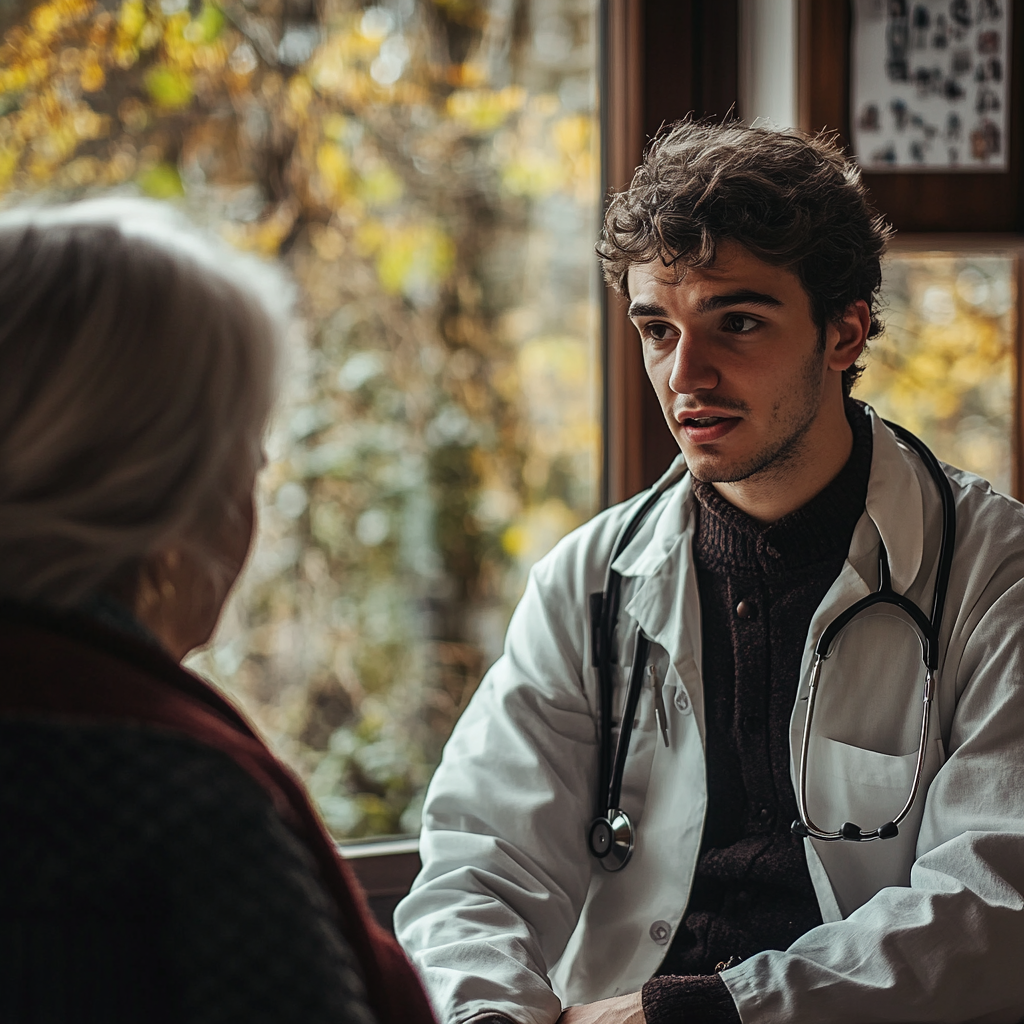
[736,361]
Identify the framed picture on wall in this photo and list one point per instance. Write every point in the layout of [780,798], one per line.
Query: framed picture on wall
[929,85]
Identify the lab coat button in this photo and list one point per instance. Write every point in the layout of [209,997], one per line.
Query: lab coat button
[661,931]
[682,701]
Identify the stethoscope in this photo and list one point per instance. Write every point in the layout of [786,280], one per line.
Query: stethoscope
[612,835]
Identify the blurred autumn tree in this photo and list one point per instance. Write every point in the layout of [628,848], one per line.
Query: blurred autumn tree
[426,170]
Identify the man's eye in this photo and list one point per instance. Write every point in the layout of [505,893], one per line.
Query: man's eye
[659,332]
[737,323]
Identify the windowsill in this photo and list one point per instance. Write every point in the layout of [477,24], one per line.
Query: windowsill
[385,869]
[360,849]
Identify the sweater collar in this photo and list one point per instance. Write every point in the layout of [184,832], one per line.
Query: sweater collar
[729,540]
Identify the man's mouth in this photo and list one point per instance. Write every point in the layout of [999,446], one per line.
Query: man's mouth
[703,421]
[707,429]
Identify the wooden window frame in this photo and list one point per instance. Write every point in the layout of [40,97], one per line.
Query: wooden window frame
[659,60]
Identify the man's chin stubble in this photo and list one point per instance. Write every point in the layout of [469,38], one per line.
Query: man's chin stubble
[775,463]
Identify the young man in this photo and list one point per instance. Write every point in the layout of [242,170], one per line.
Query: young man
[751,263]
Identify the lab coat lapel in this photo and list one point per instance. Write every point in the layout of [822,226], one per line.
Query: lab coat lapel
[664,601]
[895,504]
[894,513]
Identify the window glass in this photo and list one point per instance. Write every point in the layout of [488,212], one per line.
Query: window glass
[945,367]
[427,171]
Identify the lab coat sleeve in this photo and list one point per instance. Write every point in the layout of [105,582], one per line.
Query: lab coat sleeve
[948,946]
[505,865]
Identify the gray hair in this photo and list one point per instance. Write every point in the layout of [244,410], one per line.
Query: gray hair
[137,367]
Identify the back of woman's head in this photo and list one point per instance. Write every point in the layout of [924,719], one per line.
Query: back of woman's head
[136,376]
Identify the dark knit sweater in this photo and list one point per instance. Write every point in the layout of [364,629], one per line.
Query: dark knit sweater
[147,878]
[158,864]
[760,584]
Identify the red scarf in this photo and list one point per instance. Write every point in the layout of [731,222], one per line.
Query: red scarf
[67,667]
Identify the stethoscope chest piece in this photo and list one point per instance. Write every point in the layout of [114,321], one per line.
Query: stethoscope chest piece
[611,840]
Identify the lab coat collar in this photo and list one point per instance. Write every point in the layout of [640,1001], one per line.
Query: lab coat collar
[895,505]
[658,537]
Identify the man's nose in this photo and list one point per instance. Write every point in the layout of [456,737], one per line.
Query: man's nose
[692,366]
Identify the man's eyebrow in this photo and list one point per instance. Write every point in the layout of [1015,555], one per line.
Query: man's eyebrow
[646,309]
[744,297]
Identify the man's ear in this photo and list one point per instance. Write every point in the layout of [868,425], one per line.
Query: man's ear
[848,336]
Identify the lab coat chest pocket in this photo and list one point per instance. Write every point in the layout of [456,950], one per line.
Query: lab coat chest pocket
[863,753]
[869,788]
[870,691]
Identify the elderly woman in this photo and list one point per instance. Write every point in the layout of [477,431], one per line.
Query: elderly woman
[156,862]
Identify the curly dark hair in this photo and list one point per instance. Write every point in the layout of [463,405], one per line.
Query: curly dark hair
[790,200]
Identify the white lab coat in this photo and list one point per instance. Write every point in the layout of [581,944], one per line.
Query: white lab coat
[510,912]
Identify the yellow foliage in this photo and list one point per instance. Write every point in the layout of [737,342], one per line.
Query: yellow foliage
[265,236]
[125,55]
[48,19]
[207,26]
[300,93]
[470,75]
[150,35]
[9,157]
[88,124]
[369,237]
[335,171]
[86,170]
[572,135]
[169,87]
[484,110]
[380,187]
[92,77]
[417,256]
[211,57]
[161,182]
[937,377]
[533,173]
[544,105]
[515,540]
[131,19]
[562,358]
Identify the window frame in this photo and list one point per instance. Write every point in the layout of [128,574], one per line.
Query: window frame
[659,60]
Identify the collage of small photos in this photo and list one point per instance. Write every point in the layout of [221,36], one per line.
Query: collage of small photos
[929,84]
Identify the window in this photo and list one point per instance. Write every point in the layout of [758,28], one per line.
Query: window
[946,365]
[428,171]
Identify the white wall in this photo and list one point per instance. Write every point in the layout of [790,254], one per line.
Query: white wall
[768,61]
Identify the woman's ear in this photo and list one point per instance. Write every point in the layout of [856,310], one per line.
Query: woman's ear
[848,335]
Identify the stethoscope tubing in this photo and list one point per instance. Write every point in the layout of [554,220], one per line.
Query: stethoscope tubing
[611,822]
[604,612]
[928,629]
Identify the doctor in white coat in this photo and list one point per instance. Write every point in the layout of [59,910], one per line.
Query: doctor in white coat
[751,261]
